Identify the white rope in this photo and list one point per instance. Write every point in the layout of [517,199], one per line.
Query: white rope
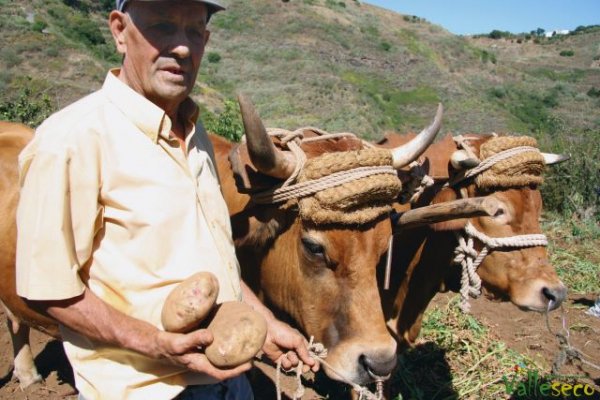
[303,189]
[318,352]
[467,256]
[419,182]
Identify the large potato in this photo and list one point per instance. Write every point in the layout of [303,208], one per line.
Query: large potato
[239,333]
[190,302]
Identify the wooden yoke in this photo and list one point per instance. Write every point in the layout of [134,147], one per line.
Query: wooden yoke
[463,208]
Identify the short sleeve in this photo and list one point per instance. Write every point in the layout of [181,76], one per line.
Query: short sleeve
[56,217]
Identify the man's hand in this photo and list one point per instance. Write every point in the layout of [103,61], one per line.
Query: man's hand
[96,320]
[186,350]
[281,336]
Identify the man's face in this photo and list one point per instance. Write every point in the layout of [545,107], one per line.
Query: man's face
[163,44]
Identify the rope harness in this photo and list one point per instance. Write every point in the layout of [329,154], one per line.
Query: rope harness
[465,253]
[318,352]
[467,256]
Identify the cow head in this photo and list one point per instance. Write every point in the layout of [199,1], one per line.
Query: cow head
[319,273]
[522,274]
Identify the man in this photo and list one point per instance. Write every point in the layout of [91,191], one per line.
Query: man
[119,203]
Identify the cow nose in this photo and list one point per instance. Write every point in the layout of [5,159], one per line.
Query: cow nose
[555,296]
[376,366]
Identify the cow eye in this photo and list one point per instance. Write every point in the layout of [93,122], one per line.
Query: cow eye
[312,247]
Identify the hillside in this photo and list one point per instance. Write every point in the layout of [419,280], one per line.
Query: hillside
[338,65]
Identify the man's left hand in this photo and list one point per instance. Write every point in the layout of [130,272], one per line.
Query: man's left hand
[281,336]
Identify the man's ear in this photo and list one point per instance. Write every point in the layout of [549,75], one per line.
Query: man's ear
[206,36]
[448,194]
[117,22]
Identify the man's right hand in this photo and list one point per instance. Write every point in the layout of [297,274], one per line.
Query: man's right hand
[186,350]
[96,320]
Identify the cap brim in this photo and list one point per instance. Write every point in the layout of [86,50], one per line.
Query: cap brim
[213,6]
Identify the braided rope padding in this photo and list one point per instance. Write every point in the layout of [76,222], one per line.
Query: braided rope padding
[350,187]
[509,161]
[356,201]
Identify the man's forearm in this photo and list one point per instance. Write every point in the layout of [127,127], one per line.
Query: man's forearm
[91,317]
[253,301]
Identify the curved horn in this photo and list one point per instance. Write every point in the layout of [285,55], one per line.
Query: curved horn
[409,152]
[460,160]
[550,158]
[264,155]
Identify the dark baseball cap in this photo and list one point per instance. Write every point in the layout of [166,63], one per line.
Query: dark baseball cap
[212,6]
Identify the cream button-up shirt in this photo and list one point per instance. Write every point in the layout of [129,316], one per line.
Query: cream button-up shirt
[109,201]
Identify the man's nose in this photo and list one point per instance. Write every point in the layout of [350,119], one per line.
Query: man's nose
[181,46]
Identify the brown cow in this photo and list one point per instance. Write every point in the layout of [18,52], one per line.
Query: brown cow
[423,258]
[13,137]
[322,276]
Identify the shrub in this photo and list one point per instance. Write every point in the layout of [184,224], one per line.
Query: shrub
[28,108]
[9,57]
[39,25]
[567,53]
[497,34]
[498,92]
[385,46]
[227,124]
[85,31]
[593,92]
[213,57]
[487,56]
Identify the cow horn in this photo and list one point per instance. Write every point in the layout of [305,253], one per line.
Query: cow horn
[264,155]
[446,211]
[460,159]
[550,158]
[410,151]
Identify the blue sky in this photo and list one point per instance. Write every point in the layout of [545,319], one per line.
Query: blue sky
[464,17]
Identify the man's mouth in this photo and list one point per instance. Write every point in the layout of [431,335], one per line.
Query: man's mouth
[174,70]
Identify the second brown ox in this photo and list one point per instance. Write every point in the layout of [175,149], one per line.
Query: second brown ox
[423,258]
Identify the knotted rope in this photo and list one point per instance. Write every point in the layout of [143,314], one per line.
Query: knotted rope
[467,256]
[318,352]
[417,185]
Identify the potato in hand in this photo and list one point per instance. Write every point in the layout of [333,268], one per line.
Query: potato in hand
[190,302]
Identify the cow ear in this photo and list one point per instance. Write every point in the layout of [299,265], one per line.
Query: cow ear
[444,195]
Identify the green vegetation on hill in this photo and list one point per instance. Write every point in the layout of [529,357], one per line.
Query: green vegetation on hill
[338,65]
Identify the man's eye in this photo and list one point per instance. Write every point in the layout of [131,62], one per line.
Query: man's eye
[196,32]
[164,27]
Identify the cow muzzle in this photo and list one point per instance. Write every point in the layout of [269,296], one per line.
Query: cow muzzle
[539,295]
[362,363]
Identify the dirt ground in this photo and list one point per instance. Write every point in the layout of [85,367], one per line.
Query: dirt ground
[521,331]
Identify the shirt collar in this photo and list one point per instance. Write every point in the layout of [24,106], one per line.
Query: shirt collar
[145,115]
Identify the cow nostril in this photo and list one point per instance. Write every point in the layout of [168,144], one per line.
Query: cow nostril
[548,294]
[379,369]
[555,296]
